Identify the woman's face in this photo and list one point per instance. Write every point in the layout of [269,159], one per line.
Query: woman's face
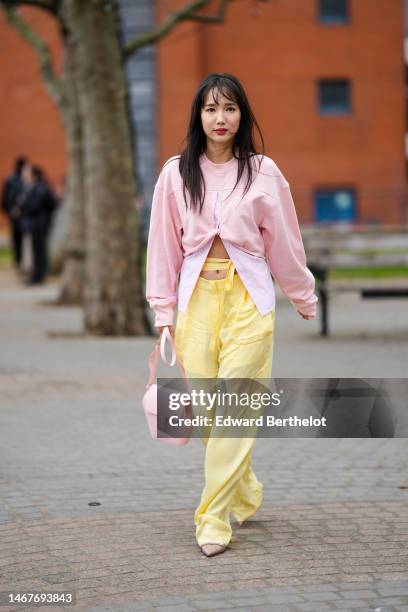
[225,115]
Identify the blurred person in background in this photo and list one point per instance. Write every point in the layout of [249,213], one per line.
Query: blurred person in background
[12,196]
[38,209]
[50,198]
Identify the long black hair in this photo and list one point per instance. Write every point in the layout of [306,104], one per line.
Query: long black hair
[243,147]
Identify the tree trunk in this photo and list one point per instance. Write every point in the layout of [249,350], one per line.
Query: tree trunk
[113,302]
[73,274]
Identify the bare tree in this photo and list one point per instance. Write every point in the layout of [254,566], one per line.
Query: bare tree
[102,253]
[63,92]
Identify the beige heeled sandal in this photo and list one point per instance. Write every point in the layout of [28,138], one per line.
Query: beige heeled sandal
[209,549]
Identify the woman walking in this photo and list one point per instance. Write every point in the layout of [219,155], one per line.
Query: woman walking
[222,220]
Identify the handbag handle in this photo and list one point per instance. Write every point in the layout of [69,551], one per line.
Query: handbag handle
[166,335]
[160,349]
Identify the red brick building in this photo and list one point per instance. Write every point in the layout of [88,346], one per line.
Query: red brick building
[29,122]
[326,79]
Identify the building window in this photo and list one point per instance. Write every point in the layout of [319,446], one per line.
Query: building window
[334,96]
[335,205]
[333,11]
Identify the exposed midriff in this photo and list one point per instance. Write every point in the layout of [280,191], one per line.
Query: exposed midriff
[217,249]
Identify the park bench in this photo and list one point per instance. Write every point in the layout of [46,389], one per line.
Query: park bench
[333,247]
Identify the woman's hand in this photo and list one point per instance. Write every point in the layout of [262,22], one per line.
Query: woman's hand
[171,330]
[307,317]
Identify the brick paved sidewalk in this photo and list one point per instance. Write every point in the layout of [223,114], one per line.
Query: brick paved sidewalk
[336,553]
[333,530]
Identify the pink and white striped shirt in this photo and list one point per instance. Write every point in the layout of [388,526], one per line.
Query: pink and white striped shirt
[260,233]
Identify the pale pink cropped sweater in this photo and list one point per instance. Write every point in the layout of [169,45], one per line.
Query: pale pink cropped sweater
[260,233]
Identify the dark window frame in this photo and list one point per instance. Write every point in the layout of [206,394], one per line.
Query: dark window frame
[326,19]
[323,110]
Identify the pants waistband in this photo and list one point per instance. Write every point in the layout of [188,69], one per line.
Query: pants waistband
[218,284]
[218,263]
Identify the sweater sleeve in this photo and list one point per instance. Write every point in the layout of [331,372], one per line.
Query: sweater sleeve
[164,255]
[285,252]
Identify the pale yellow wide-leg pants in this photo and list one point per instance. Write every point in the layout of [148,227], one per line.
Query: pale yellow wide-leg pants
[222,335]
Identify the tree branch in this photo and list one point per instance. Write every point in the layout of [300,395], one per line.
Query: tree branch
[218,18]
[41,49]
[147,38]
[51,6]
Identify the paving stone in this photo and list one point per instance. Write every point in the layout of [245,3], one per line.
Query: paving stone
[351,604]
[393,589]
[269,608]
[177,608]
[208,604]
[322,596]
[289,599]
[391,601]
[354,593]
[314,607]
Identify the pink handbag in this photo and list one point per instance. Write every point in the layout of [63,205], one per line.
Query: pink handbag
[150,397]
